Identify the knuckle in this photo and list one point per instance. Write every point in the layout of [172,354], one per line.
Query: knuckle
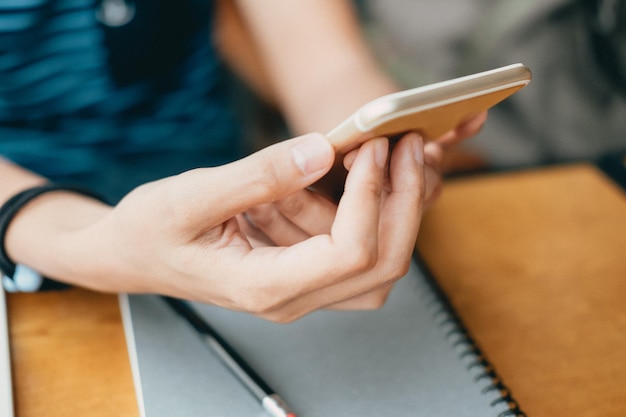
[372,187]
[360,258]
[400,267]
[396,268]
[263,215]
[291,206]
[257,301]
[269,182]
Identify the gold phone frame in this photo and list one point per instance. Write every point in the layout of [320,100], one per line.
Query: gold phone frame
[431,110]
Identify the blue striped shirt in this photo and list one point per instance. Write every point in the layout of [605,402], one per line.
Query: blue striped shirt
[112,107]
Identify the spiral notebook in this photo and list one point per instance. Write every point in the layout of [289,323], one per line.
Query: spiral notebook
[411,358]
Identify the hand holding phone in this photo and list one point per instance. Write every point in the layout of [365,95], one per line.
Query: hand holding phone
[432,110]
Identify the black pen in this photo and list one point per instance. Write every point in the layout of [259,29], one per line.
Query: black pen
[269,399]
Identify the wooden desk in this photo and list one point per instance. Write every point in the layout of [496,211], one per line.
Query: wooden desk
[533,262]
[69,355]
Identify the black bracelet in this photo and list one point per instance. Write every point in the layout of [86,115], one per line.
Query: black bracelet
[13,205]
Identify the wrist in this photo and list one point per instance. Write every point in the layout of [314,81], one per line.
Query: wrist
[42,232]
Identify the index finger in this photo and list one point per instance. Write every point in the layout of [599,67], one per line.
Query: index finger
[351,247]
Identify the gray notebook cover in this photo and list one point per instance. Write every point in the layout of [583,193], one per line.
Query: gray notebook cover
[400,360]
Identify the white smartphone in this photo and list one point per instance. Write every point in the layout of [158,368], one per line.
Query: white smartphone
[431,110]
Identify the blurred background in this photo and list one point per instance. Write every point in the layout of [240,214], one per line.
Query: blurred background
[574,109]
[575,106]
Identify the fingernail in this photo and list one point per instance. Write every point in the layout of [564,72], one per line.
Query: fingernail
[418,147]
[312,154]
[432,179]
[380,152]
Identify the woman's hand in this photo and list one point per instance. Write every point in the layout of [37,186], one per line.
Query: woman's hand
[180,236]
[307,213]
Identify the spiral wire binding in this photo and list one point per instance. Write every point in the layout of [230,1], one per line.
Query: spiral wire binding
[468,350]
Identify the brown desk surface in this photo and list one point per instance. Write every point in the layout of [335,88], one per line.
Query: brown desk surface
[69,355]
[547,246]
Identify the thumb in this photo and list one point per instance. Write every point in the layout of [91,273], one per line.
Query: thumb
[267,175]
[281,169]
